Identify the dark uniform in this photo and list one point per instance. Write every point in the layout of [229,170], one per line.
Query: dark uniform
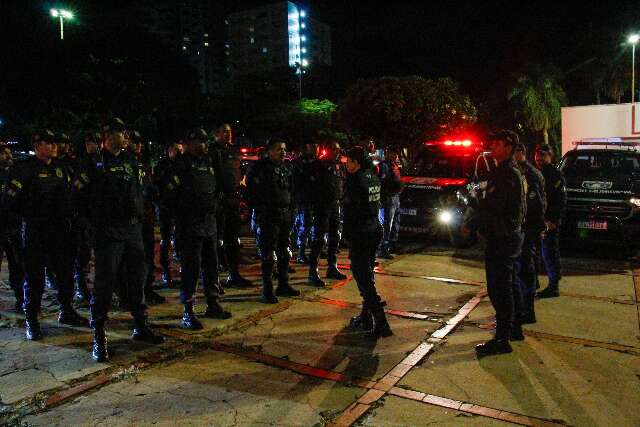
[228,216]
[500,217]
[192,192]
[555,187]
[11,246]
[303,195]
[166,220]
[327,180]
[269,189]
[109,191]
[38,193]
[363,231]
[533,227]
[390,201]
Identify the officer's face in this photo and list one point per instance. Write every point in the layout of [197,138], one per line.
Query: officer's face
[55,152]
[278,152]
[225,134]
[45,150]
[116,141]
[520,156]
[197,147]
[172,151]
[136,148]
[90,146]
[499,150]
[352,165]
[542,159]
[6,158]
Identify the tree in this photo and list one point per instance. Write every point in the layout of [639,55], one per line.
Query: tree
[405,110]
[538,98]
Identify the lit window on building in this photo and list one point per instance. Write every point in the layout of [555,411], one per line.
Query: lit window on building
[206,35]
[206,44]
[251,29]
[226,22]
[264,50]
[253,40]
[184,48]
[303,25]
[303,38]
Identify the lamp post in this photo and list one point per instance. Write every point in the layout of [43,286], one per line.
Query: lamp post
[633,39]
[61,14]
[301,66]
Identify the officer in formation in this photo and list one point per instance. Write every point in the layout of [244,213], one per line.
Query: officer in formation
[192,193]
[37,195]
[303,195]
[389,173]
[498,217]
[363,231]
[228,217]
[270,193]
[533,227]
[555,188]
[327,176]
[10,234]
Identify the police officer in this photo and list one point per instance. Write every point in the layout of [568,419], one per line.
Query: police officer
[555,187]
[151,196]
[389,173]
[304,189]
[109,191]
[327,179]
[270,190]
[229,210]
[499,219]
[533,227]
[193,194]
[38,193]
[363,231]
[10,235]
[64,153]
[167,222]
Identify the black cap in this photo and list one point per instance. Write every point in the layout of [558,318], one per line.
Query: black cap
[197,134]
[508,136]
[44,135]
[135,136]
[358,154]
[62,138]
[545,148]
[114,125]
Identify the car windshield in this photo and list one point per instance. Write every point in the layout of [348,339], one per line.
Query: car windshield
[600,164]
[436,165]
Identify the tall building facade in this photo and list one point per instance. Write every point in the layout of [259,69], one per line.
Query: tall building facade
[275,36]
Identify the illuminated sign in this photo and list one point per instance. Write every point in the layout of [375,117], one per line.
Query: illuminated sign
[297,40]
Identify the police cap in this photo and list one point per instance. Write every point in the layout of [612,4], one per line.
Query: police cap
[62,138]
[197,134]
[508,136]
[44,135]
[545,148]
[135,136]
[114,125]
[358,154]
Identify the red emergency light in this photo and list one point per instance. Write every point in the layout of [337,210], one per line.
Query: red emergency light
[457,143]
[244,150]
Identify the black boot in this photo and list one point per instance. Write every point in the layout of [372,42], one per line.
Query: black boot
[267,283]
[100,350]
[32,327]
[529,316]
[285,290]
[235,280]
[142,332]
[363,321]
[380,325]
[493,347]
[215,310]
[189,319]
[167,281]
[69,316]
[516,332]
[302,257]
[314,277]
[152,297]
[334,273]
[551,291]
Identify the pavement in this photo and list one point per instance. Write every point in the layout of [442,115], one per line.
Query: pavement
[297,363]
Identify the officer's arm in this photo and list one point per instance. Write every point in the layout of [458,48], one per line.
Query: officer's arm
[556,197]
[13,196]
[172,188]
[253,186]
[543,194]
[80,189]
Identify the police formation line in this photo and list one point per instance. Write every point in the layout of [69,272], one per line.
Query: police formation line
[57,209]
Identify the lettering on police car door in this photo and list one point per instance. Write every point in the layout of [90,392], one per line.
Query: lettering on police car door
[374,193]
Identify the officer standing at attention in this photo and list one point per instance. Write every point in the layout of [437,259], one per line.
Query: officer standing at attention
[192,196]
[363,231]
[228,218]
[327,180]
[555,188]
[10,234]
[38,193]
[167,222]
[390,199]
[533,227]
[109,191]
[303,196]
[270,190]
[499,219]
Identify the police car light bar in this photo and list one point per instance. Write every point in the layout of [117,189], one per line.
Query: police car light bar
[606,141]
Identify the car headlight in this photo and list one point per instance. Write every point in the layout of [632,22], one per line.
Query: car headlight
[635,202]
[445,217]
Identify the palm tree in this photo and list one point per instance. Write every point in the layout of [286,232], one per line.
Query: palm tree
[539,97]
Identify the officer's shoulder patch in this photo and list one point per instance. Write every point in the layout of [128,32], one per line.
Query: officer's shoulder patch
[59,173]
[558,183]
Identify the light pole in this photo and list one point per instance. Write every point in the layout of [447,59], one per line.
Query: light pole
[301,66]
[633,39]
[62,15]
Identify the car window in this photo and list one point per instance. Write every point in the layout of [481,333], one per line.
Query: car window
[437,165]
[594,164]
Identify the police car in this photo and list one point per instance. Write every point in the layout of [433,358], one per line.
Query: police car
[603,190]
[433,201]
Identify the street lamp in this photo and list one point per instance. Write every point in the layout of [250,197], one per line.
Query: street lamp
[301,66]
[633,39]
[62,15]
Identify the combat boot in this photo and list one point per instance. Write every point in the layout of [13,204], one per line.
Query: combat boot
[314,278]
[189,319]
[334,273]
[69,316]
[152,297]
[267,284]
[363,320]
[142,332]
[285,290]
[100,349]
[551,291]
[494,347]
[215,310]
[381,327]
[32,327]
[235,280]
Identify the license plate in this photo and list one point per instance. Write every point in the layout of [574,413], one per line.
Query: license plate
[408,211]
[593,225]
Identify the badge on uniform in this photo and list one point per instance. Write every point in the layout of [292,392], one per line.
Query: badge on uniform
[128,169]
[59,172]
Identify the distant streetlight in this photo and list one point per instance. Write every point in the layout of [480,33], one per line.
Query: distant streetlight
[633,39]
[62,15]
[300,67]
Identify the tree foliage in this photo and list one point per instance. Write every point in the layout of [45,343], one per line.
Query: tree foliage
[405,110]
